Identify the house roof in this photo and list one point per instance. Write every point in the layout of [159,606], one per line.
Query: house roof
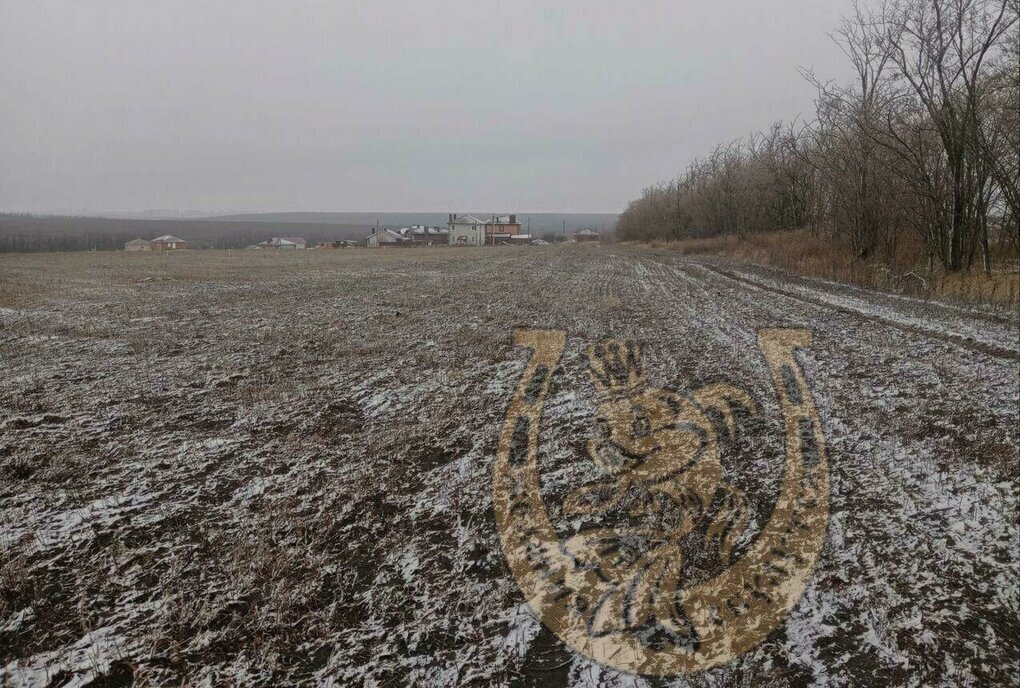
[283,241]
[139,242]
[391,233]
[468,220]
[422,230]
[472,220]
[168,238]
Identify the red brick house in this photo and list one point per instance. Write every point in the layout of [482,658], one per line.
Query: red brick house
[502,228]
[168,242]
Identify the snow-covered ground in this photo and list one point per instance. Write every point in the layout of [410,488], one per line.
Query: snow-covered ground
[241,469]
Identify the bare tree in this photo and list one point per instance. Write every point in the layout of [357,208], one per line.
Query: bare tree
[925,139]
[940,49]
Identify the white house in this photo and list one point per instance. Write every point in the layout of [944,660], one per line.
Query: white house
[284,243]
[138,245]
[466,230]
[386,237]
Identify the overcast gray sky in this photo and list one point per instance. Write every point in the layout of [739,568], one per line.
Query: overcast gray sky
[244,105]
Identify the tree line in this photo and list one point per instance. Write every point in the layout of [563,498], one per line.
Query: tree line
[924,140]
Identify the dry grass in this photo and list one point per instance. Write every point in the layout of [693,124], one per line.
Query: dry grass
[976,287]
[17,284]
[805,253]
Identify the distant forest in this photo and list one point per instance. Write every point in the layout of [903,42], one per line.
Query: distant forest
[34,233]
[28,233]
[539,224]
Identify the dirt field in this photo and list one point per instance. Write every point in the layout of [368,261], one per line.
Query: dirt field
[255,469]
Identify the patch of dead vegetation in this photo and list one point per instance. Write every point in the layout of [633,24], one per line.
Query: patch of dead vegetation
[906,272]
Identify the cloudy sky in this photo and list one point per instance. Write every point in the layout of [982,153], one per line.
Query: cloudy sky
[433,105]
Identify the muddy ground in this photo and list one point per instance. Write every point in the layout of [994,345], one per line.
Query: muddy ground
[252,469]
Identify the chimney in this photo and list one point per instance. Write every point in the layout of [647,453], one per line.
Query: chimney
[513,219]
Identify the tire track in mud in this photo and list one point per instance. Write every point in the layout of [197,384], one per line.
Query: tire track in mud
[936,309]
[691,340]
[958,340]
[905,467]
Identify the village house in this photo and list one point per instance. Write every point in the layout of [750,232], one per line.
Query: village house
[386,238]
[284,243]
[168,242]
[341,243]
[504,229]
[427,236]
[587,235]
[138,245]
[467,230]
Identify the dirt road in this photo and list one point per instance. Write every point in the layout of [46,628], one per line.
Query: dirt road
[255,469]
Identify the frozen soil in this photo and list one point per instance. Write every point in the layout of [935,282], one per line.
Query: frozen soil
[252,469]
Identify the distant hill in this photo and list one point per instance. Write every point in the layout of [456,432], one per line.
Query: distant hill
[31,233]
[541,223]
